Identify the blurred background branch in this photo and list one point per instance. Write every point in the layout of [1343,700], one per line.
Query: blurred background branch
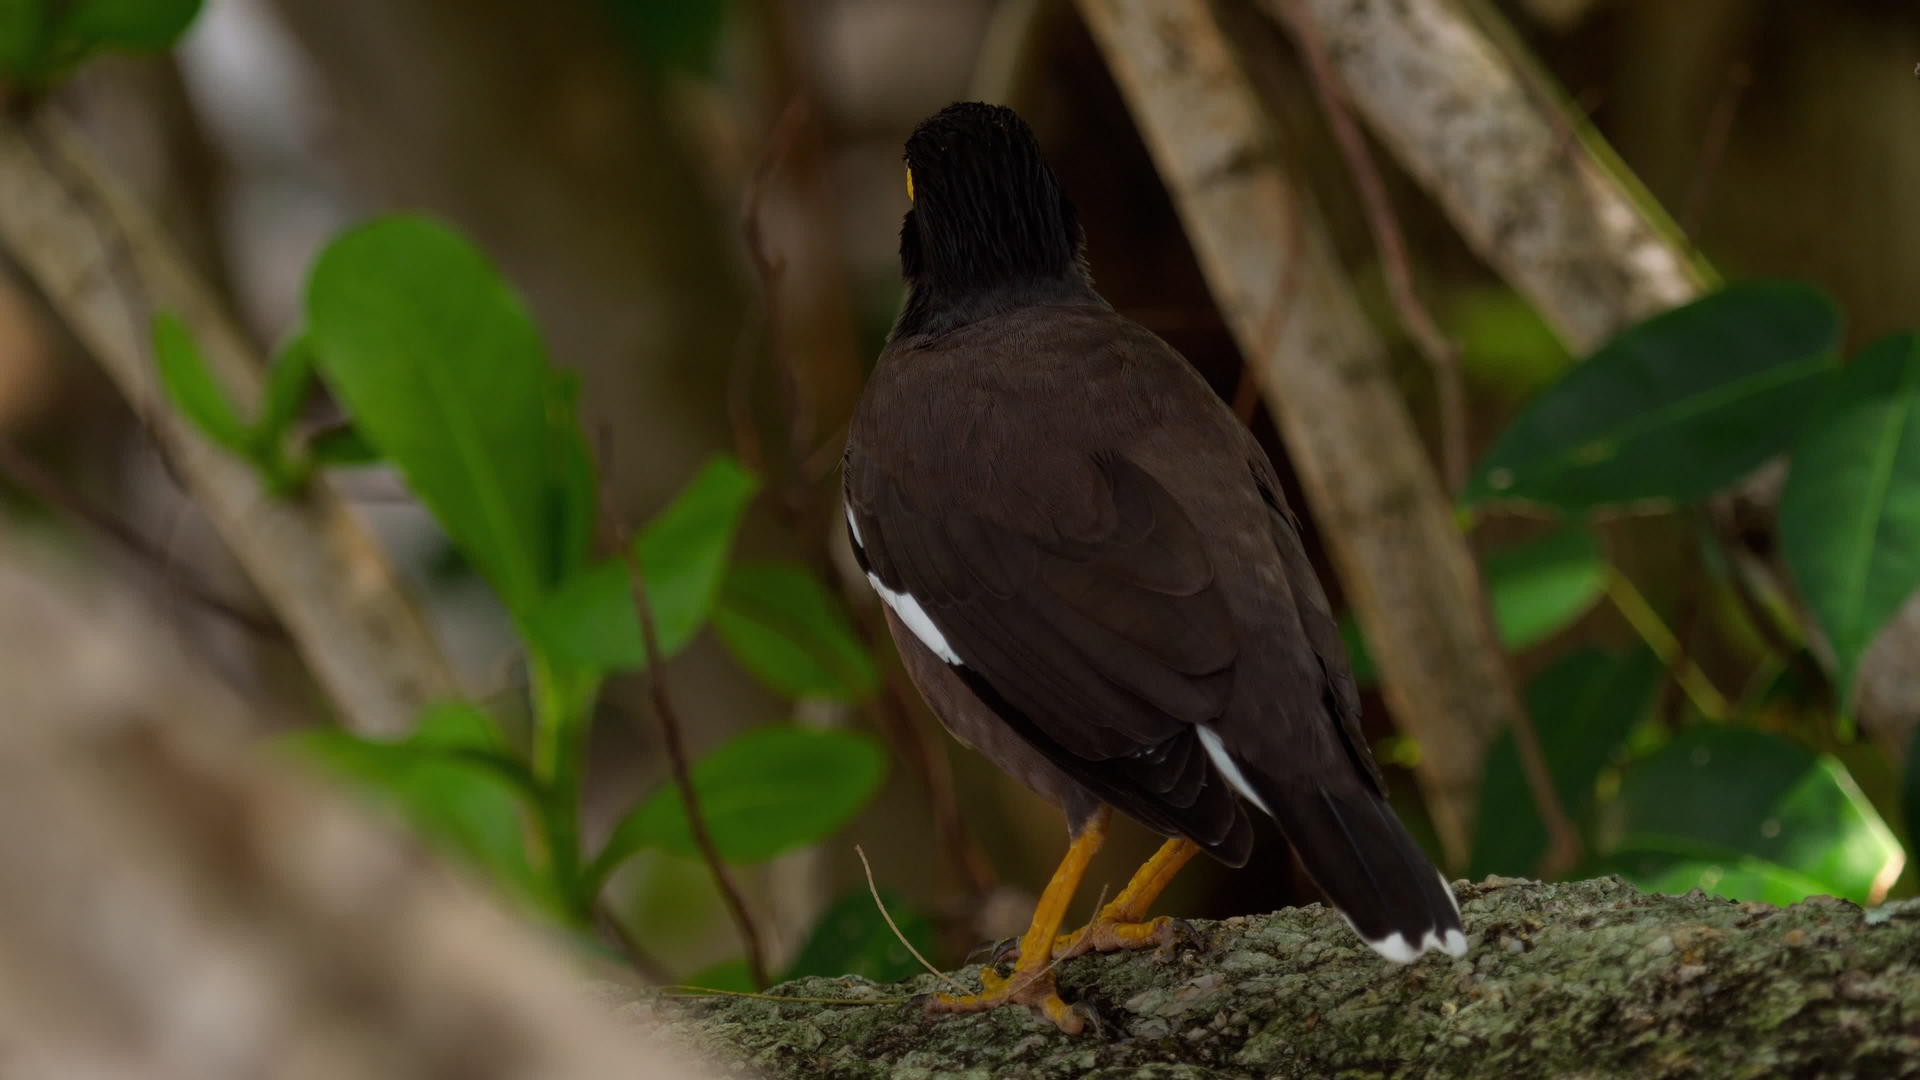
[104,266]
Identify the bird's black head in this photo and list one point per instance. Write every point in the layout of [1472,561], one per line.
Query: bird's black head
[990,225]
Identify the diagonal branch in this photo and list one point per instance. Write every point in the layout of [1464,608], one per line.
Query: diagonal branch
[1387,522]
[1544,201]
[104,266]
[1440,353]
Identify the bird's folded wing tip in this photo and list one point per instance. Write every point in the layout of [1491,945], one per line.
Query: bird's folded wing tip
[1397,948]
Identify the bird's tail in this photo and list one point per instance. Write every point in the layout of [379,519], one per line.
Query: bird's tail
[1363,859]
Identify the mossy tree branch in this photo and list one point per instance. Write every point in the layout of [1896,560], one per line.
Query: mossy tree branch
[1582,979]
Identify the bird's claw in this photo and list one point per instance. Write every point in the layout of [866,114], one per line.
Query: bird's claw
[1034,989]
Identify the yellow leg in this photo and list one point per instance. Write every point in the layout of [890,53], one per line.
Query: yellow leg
[1121,923]
[1031,981]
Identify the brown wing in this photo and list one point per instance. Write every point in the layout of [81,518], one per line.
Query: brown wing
[1341,695]
[1102,640]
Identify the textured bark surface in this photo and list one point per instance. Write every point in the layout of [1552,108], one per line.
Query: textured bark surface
[1586,979]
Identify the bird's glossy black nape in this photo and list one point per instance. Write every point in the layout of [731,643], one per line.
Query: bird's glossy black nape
[989,218]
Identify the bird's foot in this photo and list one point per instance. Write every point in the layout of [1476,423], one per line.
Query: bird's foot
[1032,988]
[1108,934]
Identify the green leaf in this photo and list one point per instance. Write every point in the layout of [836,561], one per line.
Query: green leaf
[341,447]
[732,976]
[1541,587]
[444,373]
[1536,589]
[684,549]
[767,792]
[193,389]
[1675,408]
[1504,344]
[1733,798]
[851,938]
[125,24]
[590,619]
[785,628]
[1583,708]
[288,382]
[21,25]
[450,780]
[1850,513]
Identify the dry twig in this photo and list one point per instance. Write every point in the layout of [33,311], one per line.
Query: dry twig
[874,891]
[671,735]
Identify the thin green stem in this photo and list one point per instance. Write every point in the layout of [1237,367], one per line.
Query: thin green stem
[1632,604]
[560,702]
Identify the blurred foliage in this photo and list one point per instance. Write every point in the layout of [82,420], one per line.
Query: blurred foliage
[43,39]
[1584,708]
[1850,514]
[1753,816]
[1665,415]
[447,380]
[1673,409]
[762,794]
[683,35]
[853,938]
[787,629]
[1536,589]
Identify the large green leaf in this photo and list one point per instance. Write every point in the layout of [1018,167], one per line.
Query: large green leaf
[1729,799]
[590,619]
[784,626]
[193,390]
[1582,709]
[853,938]
[762,794]
[445,375]
[1675,408]
[1850,514]
[1536,589]
[449,779]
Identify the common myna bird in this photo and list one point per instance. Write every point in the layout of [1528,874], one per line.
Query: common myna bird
[1092,575]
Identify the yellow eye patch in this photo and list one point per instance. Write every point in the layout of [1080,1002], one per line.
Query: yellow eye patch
[909,185]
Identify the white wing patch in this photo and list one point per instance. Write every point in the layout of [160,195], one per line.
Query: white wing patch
[1223,761]
[905,606]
